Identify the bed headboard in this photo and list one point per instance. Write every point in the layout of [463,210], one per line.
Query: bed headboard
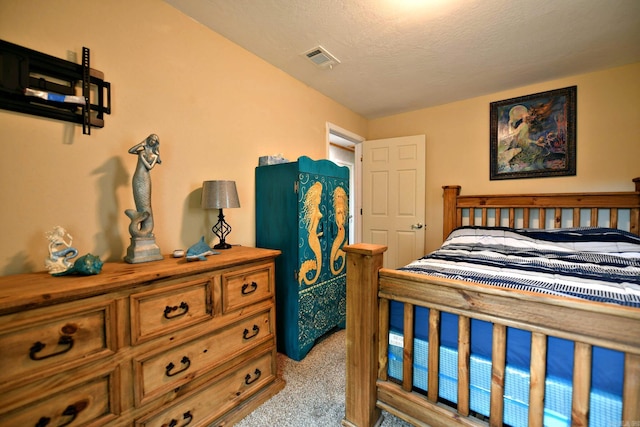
[545,210]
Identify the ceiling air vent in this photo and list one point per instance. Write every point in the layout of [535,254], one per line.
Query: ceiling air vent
[321,57]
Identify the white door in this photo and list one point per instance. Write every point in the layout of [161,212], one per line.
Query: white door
[393,199]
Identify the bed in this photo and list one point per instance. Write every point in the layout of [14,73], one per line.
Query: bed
[482,354]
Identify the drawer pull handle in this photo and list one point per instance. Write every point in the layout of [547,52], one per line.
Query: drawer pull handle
[37,347]
[70,411]
[256,331]
[187,416]
[168,310]
[185,361]
[253,286]
[248,380]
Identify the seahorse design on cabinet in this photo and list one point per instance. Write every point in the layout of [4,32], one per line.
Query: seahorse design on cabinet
[312,216]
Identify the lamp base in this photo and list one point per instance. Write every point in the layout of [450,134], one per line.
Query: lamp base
[222,245]
[222,230]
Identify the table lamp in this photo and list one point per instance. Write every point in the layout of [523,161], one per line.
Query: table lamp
[220,195]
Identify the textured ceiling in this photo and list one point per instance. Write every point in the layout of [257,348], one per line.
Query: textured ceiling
[402,55]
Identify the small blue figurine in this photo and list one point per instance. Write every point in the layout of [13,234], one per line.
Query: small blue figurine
[199,251]
[85,265]
[60,250]
[61,254]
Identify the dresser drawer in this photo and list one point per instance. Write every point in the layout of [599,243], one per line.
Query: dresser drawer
[92,401]
[56,340]
[219,396]
[241,288]
[167,369]
[179,304]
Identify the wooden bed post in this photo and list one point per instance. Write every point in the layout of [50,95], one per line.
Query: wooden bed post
[450,211]
[363,262]
[634,225]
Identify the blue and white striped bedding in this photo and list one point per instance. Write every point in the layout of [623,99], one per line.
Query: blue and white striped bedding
[599,264]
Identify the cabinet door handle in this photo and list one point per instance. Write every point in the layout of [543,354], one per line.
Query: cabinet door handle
[253,286]
[185,361]
[168,310]
[70,411]
[37,347]
[248,380]
[187,416]
[256,331]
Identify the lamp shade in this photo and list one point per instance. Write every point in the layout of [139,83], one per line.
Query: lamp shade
[219,195]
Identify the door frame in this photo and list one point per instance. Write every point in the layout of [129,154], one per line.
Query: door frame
[333,131]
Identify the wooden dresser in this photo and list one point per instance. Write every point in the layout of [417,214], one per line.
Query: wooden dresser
[167,343]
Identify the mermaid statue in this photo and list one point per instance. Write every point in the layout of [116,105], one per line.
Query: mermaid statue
[143,246]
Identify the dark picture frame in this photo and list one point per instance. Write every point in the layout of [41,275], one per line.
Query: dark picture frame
[534,136]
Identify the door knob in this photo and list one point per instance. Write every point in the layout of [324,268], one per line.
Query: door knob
[417,226]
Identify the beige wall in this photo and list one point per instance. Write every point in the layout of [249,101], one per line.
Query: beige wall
[215,107]
[457,134]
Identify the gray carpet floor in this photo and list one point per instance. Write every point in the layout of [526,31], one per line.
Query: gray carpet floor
[314,394]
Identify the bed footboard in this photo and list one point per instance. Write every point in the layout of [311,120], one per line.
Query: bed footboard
[370,289]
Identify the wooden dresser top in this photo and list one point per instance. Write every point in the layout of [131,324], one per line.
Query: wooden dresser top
[31,290]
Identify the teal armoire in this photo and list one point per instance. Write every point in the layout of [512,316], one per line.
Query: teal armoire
[302,209]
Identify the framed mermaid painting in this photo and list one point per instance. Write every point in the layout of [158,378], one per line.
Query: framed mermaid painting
[534,136]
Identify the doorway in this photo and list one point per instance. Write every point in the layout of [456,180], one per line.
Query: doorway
[343,148]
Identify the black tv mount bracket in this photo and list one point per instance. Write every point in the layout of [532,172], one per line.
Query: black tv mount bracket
[35,83]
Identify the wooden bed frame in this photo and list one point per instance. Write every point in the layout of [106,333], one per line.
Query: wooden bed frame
[370,288]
